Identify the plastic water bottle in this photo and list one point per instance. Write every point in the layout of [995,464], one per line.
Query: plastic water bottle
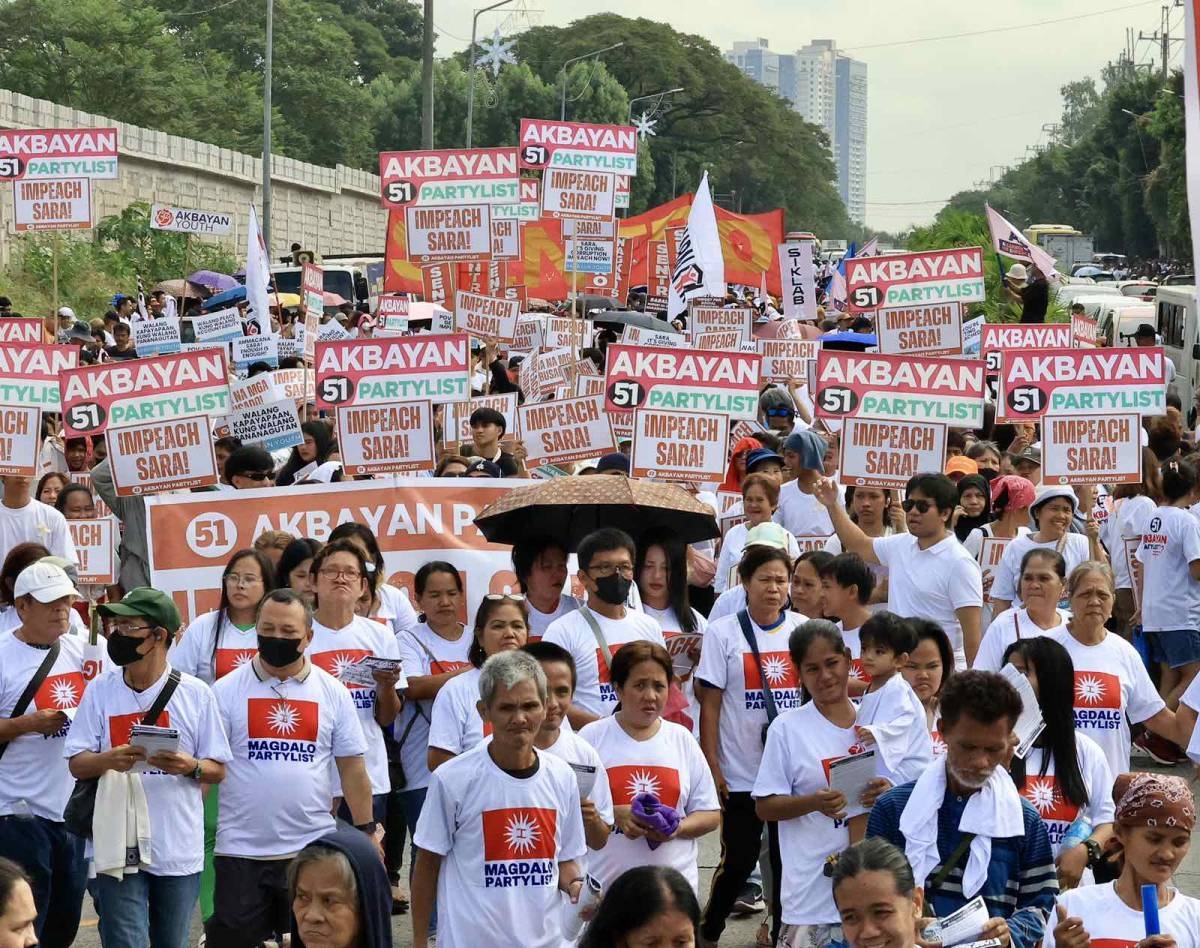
[1076,833]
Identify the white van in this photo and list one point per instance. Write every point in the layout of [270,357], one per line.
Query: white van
[1119,317]
[1177,325]
[1068,293]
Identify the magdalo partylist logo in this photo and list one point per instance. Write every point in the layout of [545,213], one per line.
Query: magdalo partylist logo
[779,673]
[60,693]
[231,659]
[1056,811]
[339,660]
[627,782]
[519,847]
[282,729]
[1098,701]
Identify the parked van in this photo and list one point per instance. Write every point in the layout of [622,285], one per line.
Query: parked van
[1119,317]
[1176,323]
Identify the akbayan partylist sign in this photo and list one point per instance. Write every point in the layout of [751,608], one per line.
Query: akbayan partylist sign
[408,368]
[932,276]
[899,388]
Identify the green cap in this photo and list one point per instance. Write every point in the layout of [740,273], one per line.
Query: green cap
[152,604]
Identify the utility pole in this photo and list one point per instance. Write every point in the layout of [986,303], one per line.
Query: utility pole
[1163,37]
[266,148]
[427,78]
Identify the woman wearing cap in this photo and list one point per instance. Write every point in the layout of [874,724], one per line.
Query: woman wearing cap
[1052,510]
[760,498]
[1030,289]
[741,653]
[1155,816]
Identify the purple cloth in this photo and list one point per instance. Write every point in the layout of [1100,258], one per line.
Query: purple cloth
[647,809]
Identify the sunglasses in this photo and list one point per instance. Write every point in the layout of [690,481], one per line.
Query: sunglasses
[921,506]
[259,475]
[780,413]
[499,597]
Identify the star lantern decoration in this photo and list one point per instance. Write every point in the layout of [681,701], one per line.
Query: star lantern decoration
[496,52]
[645,125]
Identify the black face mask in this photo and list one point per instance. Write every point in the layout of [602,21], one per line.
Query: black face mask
[989,474]
[613,589]
[123,649]
[279,653]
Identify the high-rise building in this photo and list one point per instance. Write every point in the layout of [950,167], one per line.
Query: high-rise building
[828,89]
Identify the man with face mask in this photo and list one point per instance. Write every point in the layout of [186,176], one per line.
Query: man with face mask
[289,725]
[594,632]
[149,901]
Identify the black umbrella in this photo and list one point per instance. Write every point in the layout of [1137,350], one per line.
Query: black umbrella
[619,318]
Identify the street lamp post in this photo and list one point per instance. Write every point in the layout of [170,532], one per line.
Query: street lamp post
[562,108]
[654,95]
[471,68]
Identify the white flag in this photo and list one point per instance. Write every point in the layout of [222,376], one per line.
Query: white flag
[699,266]
[258,276]
[1010,242]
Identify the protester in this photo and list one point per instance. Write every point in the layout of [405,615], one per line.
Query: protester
[800,510]
[23,519]
[487,428]
[877,900]
[34,781]
[663,795]
[271,544]
[452,465]
[313,451]
[387,603]
[1132,506]
[760,498]
[339,894]
[501,625]
[594,632]
[289,724]
[294,570]
[150,901]
[986,455]
[1042,586]
[929,572]
[75,502]
[807,591]
[1064,775]
[540,562]
[646,905]
[122,347]
[501,810]
[737,463]
[846,587]
[1112,687]
[971,798]
[877,515]
[1155,816]
[974,510]
[50,486]
[249,467]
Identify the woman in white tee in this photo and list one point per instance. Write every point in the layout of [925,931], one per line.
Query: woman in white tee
[650,763]
[878,514]
[541,567]
[380,601]
[1043,579]
[1132,506]
[760,498]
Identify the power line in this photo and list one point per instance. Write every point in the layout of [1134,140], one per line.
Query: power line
[219,6]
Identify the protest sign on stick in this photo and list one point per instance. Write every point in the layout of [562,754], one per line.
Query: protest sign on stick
[670,446]
[20,440]
[386,439]
[162,455]
[886,454]
[571,429]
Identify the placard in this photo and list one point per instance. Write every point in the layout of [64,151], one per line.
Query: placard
[544,371]
[20,440]
[991,552]
[29,373]
[567,193]
[642,377]
[702,319]
[547,143]
[588,385]
[972,336]
[1082,382]
[403,369]
[1085,333]
[250,350]
[45,204]
[275,425]
[486,317]
[95,550]
[562,331]
[721,340]
[387,438]
[591,245]
[996,338]
[506,238]
[669,446]
[530,333]
[472,176]
[155,337]
[439,283]
[145,390]
[296,384]
[1092,450]
[787,360]
[312,289]
[20,329]
[659,338]
[252,392]
[935,329]
[449,233]
[156,456]
[570,429]
[456,417]
[182,220]
[220,326]
[332,331]
[797,273]
[888,453]
[899,388]
[58,152]
[907,279]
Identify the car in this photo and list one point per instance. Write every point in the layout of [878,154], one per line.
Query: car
[1068,293]
[1143,289]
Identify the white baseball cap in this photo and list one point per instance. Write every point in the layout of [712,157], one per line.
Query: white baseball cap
[46,582]
[66,311]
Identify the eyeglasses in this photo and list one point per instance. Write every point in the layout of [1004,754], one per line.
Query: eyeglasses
[329,572]
[608,569]
[259,475]
[235,580]
[127,629]
[499,597]
[921,506]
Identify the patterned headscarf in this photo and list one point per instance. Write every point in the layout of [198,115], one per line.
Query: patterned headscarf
[1160,800]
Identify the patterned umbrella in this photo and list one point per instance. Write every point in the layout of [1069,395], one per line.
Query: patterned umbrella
[569,508]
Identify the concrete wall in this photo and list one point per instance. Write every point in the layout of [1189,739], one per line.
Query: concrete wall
[329,210]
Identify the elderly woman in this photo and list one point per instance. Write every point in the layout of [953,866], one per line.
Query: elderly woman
[340,894]
[760,499]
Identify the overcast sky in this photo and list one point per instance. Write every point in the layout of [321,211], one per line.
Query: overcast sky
[941,114]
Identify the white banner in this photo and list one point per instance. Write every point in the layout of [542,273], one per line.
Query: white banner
[798,274]
[181,220]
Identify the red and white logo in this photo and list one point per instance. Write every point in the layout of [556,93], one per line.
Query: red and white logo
[520,832]
[281,719]
[627,782]
[163,217]
[857,672]
[1095,690]
[231,659]
[1047,798]
[337,661]
[776,668]
[60,692]
[120,726]
[602,665]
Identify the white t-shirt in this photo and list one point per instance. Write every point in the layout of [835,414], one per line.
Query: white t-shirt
[1191,698]
[672,767]
[1008,574]
[1112,688]
[590,773]
[501,838]
[594,692]
[850,637]
[801,514]
[896,718]
[32,769]
[454,724]
[36,523]
[1056,811]
[731,554]
[931,583]
[800,744]
[284,736]
[395,611]
[1126,523]
[1113,924]
[539,622]
[334,649]
[109,710]
[729,603]
[449,656]
[726,662]
[1006,628]
[193,651]
[1170,597]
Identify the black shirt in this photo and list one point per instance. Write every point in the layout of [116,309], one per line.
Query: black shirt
[1035,299]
